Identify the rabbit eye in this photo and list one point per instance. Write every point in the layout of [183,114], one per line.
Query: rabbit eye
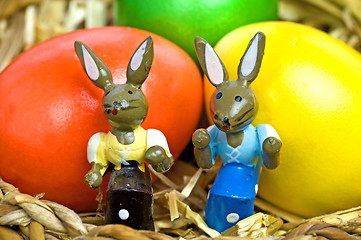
[219,95]
[238,99]
[130,92]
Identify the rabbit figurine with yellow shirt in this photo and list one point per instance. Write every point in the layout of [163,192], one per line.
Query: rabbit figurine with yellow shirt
[242,147]
[127,145]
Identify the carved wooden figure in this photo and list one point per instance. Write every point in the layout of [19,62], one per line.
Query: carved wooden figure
[242,147]
[127,145]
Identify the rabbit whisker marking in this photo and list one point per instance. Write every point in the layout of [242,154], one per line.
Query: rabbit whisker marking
[238,124]
[126,108]
[117,103]
[244,114]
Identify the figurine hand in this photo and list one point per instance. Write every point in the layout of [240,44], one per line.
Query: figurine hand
[272,145]
[271,149]
[202,151]
[94,178]
[157,157]
[201,138]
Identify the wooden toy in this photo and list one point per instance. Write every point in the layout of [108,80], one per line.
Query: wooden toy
[242,147]
[127,145]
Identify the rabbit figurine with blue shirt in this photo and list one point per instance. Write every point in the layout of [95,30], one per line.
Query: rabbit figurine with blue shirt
[242,147]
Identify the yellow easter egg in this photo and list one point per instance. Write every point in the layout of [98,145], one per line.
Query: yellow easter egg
[309,90]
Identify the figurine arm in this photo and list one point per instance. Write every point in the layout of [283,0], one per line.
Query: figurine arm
[202,151]
[158,154]
[271,145]
[96,157]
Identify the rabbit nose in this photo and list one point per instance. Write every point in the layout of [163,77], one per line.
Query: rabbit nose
[226,120]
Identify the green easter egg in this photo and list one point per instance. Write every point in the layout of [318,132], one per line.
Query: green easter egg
[180,21]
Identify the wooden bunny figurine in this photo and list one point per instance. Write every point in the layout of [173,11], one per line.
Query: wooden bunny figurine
[127,145]
[241,146]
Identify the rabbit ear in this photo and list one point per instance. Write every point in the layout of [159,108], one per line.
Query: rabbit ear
[211,64]
[94,67]
[251,61]
[140,63]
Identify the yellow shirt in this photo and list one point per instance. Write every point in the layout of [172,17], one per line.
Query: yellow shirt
[104,148]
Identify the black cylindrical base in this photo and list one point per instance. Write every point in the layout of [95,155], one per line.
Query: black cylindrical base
[130,198]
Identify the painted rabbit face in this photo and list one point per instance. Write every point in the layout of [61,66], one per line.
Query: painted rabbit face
[234,104]
[124,105]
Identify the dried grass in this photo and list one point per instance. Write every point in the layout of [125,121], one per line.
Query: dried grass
[177,215]
[24,23]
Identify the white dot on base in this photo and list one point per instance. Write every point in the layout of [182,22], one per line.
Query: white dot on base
[232,217]
[123,214]
[256,188]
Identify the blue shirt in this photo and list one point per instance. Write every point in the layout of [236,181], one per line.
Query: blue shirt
[238,177]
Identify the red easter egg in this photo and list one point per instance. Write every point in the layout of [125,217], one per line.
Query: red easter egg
[49,109]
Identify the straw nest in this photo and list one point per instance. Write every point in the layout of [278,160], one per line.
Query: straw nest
[178,204]
[180,195]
